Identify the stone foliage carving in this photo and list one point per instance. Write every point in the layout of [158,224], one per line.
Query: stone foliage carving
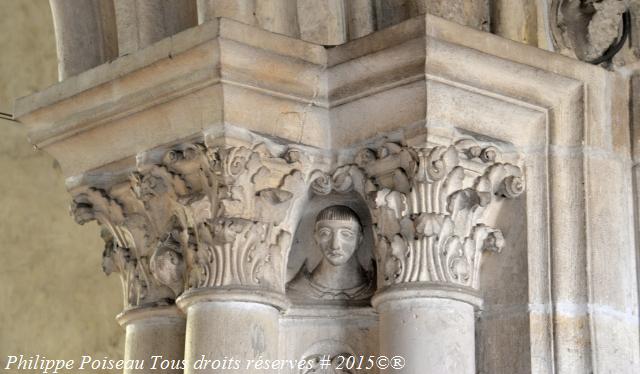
[427,206]
[223,216]
[201,217]
[247,237]
[586,29]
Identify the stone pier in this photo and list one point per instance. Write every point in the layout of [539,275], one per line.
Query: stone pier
[414,183]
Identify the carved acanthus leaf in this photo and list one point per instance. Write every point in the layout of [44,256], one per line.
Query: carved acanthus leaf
[249,236]
[427,206]
[199,217]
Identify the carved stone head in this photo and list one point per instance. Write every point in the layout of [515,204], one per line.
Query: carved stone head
[338,232]
[168,268]
[339,278]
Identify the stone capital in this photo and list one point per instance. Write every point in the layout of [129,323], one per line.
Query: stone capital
[197,216]
[194,216]
[428,204]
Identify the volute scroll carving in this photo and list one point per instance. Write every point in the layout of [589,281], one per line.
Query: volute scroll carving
[201,216]
[198,217]
[427,205]
[249,234]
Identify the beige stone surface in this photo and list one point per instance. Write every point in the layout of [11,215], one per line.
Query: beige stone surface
[154,332]
[86,34]
[140,23]
[195,105]
[54,300]
[249,332]
[515,20]
[434,333]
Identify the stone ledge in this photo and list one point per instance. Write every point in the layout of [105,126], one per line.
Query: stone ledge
[212,75]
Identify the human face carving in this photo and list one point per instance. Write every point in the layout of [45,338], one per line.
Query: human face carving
[338,240]
[166,265]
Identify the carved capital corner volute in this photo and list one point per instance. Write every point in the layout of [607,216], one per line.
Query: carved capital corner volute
[427,205]
[202,217]
[195,217]
[137,245]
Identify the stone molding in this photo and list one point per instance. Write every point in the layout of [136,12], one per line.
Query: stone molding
[409,291]
[160,313]
[231,294]
[297,91]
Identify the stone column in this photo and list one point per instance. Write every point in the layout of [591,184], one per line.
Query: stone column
[156,331]
[428,203]
[144,22]
[216,221]
[278,16]
[86,34]
[236,270]
[428,330]
[154,327]
[143,227]
[472,13]
[231,330]
[515,20]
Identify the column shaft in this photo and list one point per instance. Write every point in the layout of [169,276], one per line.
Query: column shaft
[154,332]
[236,334]
[432,335]
[278,16]
[144,22]
[85,34]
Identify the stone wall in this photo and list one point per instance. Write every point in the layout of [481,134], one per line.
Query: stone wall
[54,300]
